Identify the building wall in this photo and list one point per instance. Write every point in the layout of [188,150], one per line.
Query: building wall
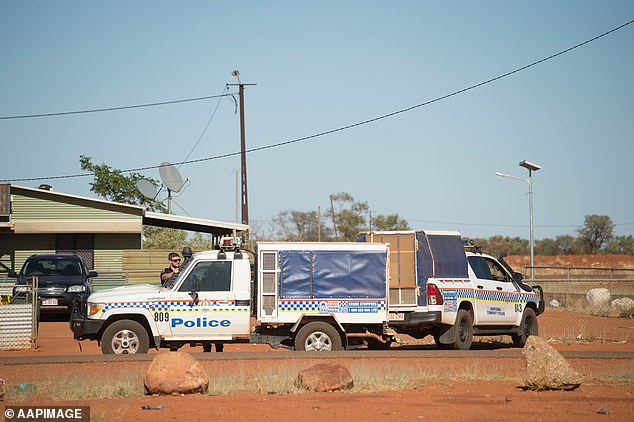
[109,250]
[15,249]
[43,212]
[39,218]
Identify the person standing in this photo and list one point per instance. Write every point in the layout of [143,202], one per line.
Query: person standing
[174,268]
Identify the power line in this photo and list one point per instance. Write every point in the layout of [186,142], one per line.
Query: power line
[342,128]
[504,225]
[99,110]
[207,125]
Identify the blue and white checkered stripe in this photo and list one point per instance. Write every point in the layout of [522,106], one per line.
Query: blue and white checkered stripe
[459,294]
[524,298]
[492,296]
[175,306]
[315,305]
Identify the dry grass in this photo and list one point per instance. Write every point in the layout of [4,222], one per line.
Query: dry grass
[280,378]
[78,388]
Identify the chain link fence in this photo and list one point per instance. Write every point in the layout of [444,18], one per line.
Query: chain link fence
[586,304]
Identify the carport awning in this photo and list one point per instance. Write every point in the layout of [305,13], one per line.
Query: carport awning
[192,224]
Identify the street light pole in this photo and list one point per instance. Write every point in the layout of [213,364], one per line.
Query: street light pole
[530,167]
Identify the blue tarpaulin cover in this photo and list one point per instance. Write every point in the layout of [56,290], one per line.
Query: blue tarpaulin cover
[332,274]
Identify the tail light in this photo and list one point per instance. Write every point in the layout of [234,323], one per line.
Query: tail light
[434,297]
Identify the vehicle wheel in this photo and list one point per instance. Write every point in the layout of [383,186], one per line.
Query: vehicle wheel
[220,347]
[464,331]
[125,337]
[207,347]
[318,337]
[377,345]
[528,328]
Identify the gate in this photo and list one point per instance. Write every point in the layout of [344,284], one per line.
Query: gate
[19,313]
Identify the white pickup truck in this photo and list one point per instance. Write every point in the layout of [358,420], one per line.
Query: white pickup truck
[309,296]
[438,289]
[318,297]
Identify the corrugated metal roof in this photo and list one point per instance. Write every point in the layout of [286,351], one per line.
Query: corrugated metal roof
[191,223]
[149,218]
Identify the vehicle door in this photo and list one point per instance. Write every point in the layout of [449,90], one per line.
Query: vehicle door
[203,303]
[493,291]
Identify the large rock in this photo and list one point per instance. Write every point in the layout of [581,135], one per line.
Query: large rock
[546,369]
[175,373]
[598,297]
[325,377]
[624,304]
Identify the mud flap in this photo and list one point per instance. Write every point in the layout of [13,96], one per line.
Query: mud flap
[447,335]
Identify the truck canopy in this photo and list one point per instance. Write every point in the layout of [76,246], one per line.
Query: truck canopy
[415,257]
[330,270]
[441,255]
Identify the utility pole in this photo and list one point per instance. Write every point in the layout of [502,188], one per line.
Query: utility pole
[243,149]
[319,223]
[334,221]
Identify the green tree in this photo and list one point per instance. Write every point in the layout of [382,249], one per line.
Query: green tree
[349,218]
[113,185]
[595,233]
[299,226]
[510,245]
[389,222]
[200,242]
[566,245]
[621,245]
[164,238]
[546,247]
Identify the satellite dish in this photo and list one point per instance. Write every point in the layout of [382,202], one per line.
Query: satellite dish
[146,188]
[171,177]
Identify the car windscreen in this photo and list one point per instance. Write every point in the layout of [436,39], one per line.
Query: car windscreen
[52,267]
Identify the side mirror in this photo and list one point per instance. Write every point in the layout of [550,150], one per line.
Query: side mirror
[194,296]
[12,274]
[92,274]
[517,277]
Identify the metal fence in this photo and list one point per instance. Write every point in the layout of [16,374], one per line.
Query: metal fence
[576,273]
[109,279]
[19,315]
[586,304]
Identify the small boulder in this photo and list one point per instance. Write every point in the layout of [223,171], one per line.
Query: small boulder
[624,304]
[554,303]
[175,373]
[598,297]
[546,369]
[325,377]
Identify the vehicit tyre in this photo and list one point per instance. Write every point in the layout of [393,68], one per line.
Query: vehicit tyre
[125,337]
[318,337]
[464,331]
[528,328]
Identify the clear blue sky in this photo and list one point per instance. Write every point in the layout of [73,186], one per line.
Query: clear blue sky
[323,65]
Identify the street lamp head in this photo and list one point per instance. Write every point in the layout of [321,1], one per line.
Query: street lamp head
[530,166]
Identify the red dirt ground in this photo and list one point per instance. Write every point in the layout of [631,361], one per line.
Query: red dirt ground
[449,397]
